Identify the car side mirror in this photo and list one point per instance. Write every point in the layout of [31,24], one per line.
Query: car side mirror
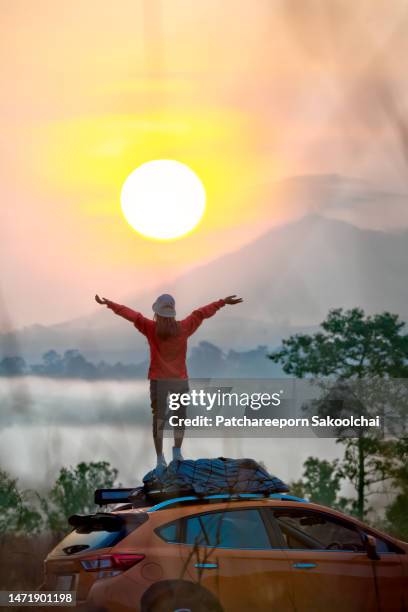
[371,547]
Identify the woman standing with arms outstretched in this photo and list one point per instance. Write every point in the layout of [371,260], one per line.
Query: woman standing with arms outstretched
[167,340]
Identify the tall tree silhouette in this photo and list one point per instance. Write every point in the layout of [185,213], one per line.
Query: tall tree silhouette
[352,347]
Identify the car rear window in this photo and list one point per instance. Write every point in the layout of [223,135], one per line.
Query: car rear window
[94,533]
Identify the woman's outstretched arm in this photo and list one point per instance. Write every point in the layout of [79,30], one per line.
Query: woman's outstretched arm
[138,320]
[193,321]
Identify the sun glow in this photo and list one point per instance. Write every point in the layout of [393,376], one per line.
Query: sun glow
[163,199]
[82,163]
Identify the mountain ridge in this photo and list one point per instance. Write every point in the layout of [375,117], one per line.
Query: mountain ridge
[289,278]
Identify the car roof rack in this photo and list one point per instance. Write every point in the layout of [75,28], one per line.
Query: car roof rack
[105,497]
[234,497]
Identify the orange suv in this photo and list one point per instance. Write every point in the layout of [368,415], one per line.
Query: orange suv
[228,553]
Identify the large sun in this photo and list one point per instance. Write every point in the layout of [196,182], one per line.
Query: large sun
[163,199]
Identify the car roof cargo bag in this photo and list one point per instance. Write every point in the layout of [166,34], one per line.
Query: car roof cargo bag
[212,476]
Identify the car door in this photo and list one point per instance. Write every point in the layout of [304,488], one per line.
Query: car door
[329,563]
[229,552]
[389,576]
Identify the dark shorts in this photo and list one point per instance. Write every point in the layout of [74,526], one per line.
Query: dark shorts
[159,392]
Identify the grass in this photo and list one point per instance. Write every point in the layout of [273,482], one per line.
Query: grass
[22,560]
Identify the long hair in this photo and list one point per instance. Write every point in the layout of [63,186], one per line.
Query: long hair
[166,327]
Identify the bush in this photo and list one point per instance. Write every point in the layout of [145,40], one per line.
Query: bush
[73,492]
[16,512]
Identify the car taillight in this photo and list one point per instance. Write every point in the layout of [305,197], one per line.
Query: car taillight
[115,561]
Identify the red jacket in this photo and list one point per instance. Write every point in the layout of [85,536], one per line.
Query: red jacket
[167,357]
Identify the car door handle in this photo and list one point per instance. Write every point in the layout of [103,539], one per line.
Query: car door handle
[206,565]
[304,565]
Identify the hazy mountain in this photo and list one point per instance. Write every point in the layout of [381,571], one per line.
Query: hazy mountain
[289,278]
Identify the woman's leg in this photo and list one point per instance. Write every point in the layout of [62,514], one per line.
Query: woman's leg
[158,421]
[178,436]
[178,431]
[158,440]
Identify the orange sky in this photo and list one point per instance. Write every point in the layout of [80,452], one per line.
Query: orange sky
[244,93]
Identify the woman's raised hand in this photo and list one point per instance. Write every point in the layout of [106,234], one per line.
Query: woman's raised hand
[232,299]
[102,301]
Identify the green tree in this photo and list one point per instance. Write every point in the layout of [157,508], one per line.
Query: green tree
[13,366]
[321,483]
[73,492]
[397,512]
[352,346]
[16,513]
[396,515]
[321,480]
[297,487]
[52,363]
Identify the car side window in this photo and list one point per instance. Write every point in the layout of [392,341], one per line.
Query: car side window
[307,529]
[169,532]
[384,547]
[241,529]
